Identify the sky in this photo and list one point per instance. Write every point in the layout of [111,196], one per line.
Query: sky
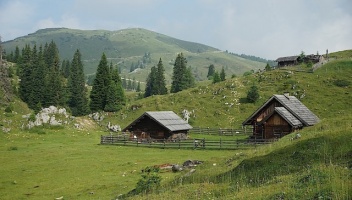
[263,28]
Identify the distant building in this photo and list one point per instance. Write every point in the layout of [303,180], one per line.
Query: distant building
[157,125]
[279,116]
[287,61]
[295,60]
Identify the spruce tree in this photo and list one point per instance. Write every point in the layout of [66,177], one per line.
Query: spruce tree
[160,79]
[190,81]
[222,74]
[179,81]
[211,71]
[17,56]
[101,83]
[36,94]
[138,86]
[65,68]
[216,77]
[55,91]
[77,97]
[252,94]
[151,86]
[25,74]
[115,98]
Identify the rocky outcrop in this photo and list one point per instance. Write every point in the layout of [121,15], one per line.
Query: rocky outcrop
[52,115]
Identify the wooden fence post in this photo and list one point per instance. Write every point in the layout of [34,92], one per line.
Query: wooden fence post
[220,143]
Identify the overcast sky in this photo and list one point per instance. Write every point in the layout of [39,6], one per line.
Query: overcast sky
[264,28]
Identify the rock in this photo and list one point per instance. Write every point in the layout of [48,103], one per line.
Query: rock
[192,163]
[113,128]
[176,168]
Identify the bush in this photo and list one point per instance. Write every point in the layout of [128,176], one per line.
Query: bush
[9,109]
[252,94]
[150,180]
[342,83]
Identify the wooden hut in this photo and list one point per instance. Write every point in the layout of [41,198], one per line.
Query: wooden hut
[287,61]
[280,115]
[157,125]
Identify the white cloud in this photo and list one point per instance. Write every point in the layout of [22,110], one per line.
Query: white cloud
[15,19]
[65,21]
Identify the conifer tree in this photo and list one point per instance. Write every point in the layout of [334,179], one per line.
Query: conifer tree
[134,83]
[151,86]
[179,80]
[25,74]
[160,79]
[216,77]
[77,97]
[252,94]
[268,67]
[100,86]
[211,71]
[65,68]
[36,94]
[190,81]
[55,92]
[138,86]
[17,56]
[222,74]
[115,98]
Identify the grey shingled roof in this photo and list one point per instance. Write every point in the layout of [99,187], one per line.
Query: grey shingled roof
[294,106]
[292,120]
[168,119]
[298,109]
[287,58]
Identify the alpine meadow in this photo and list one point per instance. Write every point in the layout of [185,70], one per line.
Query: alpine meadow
[134,114]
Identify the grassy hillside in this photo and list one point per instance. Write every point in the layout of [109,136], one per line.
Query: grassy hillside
[52,162]
[124,47]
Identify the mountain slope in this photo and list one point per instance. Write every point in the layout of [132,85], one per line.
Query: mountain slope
[124,47]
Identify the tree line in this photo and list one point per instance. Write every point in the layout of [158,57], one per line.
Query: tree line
[44,81]
[182,78]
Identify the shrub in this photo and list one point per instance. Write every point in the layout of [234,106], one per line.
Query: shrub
[342,83]
[252,94]
[9,109]
[150,180]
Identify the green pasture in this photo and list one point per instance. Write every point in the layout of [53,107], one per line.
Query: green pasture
[70,163]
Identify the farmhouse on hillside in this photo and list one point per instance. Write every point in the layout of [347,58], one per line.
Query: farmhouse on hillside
[157,125]
[295,60]
[279,116]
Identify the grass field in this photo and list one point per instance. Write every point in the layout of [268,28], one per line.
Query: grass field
[72,164]
[47,163]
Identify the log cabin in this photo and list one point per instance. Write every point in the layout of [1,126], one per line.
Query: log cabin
[157,125]
[279,116]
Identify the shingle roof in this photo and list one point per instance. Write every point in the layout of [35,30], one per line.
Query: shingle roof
[288,58]
[293,106]
[292,120]
[168,119]
[298,109]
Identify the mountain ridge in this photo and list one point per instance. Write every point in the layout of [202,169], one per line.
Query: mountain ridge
[127,46]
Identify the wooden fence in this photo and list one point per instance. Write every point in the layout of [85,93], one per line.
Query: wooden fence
[184,144]
[220,131]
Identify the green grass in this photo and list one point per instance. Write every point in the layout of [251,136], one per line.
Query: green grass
[46,163]
[70,163]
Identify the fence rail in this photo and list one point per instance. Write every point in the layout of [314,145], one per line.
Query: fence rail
[184,144]
[220,131]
